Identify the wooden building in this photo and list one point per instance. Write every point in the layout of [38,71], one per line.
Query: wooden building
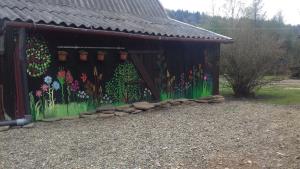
[62,57]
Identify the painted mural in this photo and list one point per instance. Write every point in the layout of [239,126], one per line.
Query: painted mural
[193,84]
[59,90]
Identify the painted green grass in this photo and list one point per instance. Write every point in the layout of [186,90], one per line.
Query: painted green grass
[68,110]
[198,91]
[165,96]
[201,90]
[65,110]
[272,94]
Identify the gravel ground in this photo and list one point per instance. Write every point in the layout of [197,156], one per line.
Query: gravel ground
[235,134]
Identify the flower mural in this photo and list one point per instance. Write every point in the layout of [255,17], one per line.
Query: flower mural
[83,95]
[38,56]
[61,76]
[45,104]
[38,93]
[48,80]
[69,90]
[83,77]
[55,85]
[75,86]
[69,77]
[45,88]
[194,85]
[147,94]
[123,87]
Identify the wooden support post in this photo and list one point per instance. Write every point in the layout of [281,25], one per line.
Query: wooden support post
[22,51]
[213,59]
[145,76]
[1,76]
[2,111]
[216,69]
[22,98]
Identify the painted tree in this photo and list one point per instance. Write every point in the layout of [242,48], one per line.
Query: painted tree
[124,87]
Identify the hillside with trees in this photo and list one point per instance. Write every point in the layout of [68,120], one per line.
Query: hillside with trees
[261,46]
[276,27]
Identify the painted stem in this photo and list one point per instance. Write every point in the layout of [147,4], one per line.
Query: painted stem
[62,93]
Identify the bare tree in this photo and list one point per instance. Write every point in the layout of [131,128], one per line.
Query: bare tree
[249,59]
[213,7]
[233,8]
[256,11]
[278,17]
[246,62]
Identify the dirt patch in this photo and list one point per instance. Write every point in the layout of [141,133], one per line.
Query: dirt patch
[235,134]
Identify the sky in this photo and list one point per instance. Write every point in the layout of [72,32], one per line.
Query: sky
[289,8]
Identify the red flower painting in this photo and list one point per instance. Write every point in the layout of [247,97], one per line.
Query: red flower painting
[44,88]
[61,74]
[38,93]
[69,77]
[83,77]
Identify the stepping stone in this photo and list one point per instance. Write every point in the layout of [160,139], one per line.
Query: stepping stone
[175,103]
[189,102]
[89,112]
[124,107]
[4,128]
[168,105]
[108,112]
[92,116]
[143,105]
[73,117]
[106,108]
[121,114]
[207,98]
[218,97]
[157,104]
[106,115]
[51,120]
[201,101]
[164,102]
[182,100]
[217,100]
[137,112]
[29,126]
[129,110]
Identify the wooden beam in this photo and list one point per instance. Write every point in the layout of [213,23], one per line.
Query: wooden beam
[215,54]
[91,47]
[22,52]
[22,97]
[127,35]
[2,44]
[2,111]
[139,52]
[145,76]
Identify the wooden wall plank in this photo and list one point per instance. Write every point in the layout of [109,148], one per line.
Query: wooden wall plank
[214,54]
[1,103]
[145,76]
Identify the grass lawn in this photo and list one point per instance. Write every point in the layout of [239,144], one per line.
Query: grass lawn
[286,92]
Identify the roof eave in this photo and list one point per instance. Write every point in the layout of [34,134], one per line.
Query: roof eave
[34,26]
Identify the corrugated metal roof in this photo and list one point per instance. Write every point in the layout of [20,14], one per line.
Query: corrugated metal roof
[132,16]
